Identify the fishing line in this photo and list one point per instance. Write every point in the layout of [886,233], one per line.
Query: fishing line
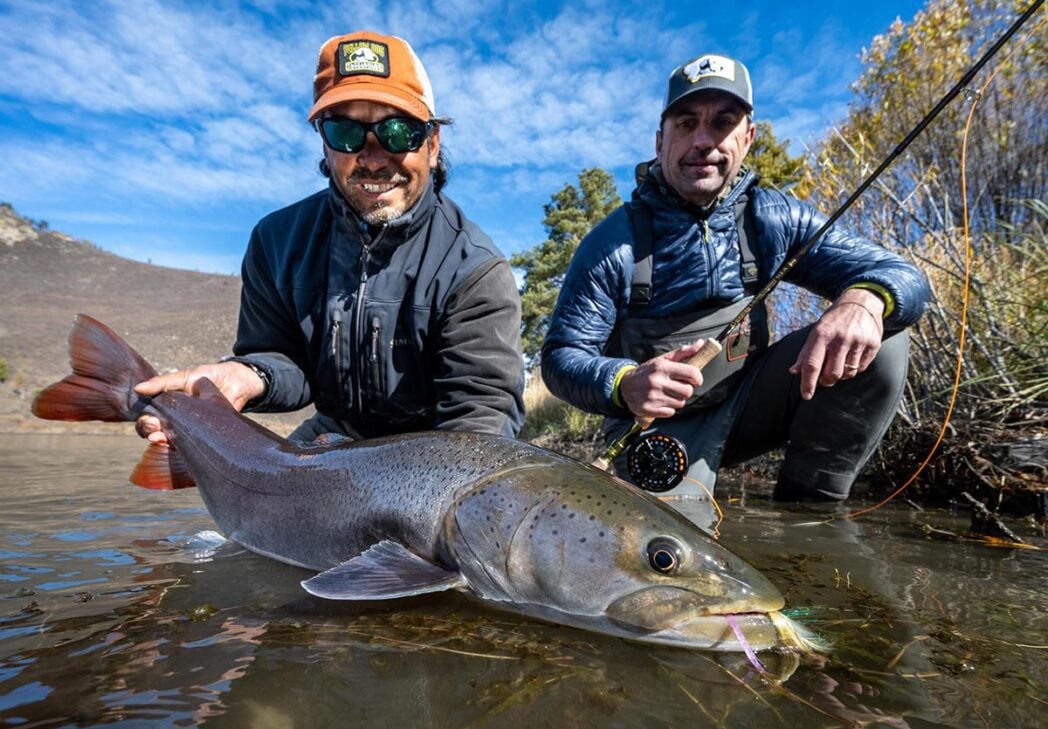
[967,263]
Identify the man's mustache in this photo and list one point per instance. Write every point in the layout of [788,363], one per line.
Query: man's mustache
[382,175]
[700,159]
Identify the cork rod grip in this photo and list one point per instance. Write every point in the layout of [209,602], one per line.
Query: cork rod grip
[710,349]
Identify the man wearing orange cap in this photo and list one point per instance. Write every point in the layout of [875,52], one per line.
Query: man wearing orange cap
[375,299]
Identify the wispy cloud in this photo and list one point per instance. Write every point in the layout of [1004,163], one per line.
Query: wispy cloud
[203,104]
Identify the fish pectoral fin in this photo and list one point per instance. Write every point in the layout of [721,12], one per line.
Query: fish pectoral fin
[162,468]
[385,571]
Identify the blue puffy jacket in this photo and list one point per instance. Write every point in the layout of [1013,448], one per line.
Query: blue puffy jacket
[697,264]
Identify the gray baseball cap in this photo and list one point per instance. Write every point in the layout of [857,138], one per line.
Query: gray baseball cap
[706,73]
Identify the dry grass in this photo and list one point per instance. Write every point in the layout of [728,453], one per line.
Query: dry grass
[553,423]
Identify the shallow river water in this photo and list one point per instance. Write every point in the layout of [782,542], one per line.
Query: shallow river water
[114,611]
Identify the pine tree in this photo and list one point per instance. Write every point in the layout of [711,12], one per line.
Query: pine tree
[769,158]
[571,213]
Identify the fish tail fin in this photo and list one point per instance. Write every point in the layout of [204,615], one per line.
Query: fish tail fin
[101,387]
[105,371]
[163,469]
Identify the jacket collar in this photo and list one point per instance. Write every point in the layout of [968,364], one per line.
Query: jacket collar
[392,233]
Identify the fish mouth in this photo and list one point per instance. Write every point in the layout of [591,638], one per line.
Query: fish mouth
[715,632]
[672,616]
[661,607]
[681,617]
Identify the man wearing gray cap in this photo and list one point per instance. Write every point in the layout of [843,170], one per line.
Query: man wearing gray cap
[674,265]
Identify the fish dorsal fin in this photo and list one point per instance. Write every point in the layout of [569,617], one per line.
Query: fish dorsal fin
[162,468]
[387,570]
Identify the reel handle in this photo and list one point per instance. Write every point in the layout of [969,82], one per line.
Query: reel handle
[710,349]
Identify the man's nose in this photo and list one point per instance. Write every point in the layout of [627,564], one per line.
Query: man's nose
[372,154]
[702,138]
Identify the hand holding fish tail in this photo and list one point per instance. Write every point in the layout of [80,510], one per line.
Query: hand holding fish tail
[238,383]
[843,343]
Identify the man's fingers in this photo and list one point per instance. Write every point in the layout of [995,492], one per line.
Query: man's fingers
[170,382]
[149,428]
[146,425]
[683,354]
[809,365]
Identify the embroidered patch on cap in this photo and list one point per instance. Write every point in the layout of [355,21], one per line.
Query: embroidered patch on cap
[710,66]
[365,57]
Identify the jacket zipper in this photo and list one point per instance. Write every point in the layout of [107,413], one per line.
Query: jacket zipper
[709,258]
[358,321]
[336,352]
[375,369]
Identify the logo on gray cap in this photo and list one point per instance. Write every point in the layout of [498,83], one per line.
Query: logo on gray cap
[710,66]
[710,73]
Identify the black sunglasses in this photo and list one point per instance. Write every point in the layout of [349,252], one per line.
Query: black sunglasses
[396,134]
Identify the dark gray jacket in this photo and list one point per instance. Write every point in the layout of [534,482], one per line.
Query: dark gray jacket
[697,264]
[411,326]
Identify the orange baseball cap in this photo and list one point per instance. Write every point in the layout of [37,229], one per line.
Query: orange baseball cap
[368,66]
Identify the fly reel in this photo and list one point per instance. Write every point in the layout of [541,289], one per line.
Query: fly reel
[656,461]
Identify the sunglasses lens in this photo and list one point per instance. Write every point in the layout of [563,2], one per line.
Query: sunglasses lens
[397,134]
[400,135]
[344,135]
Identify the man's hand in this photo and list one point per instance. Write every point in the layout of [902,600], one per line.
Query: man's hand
[237,381]
[843,343]
[659,387]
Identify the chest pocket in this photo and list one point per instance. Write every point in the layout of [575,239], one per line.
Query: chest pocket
[396,383]
[641,338]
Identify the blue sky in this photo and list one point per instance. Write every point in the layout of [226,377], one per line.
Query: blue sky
[164,130]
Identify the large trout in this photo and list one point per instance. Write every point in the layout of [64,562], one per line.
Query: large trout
[515,526]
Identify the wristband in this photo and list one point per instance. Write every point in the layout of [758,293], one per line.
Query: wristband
[885,294]
[616,397]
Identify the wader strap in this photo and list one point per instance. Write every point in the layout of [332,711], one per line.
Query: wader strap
[747,235]
[643,235]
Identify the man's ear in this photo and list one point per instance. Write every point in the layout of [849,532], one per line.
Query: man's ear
[751,134]
[434,147]
[658,141]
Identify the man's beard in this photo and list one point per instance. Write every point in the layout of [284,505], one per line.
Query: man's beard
[381,212]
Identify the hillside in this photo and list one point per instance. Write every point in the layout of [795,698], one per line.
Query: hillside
[173,317]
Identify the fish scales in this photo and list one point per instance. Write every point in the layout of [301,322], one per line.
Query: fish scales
[393,488]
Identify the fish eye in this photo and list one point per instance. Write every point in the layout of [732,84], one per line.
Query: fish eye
[664,555]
